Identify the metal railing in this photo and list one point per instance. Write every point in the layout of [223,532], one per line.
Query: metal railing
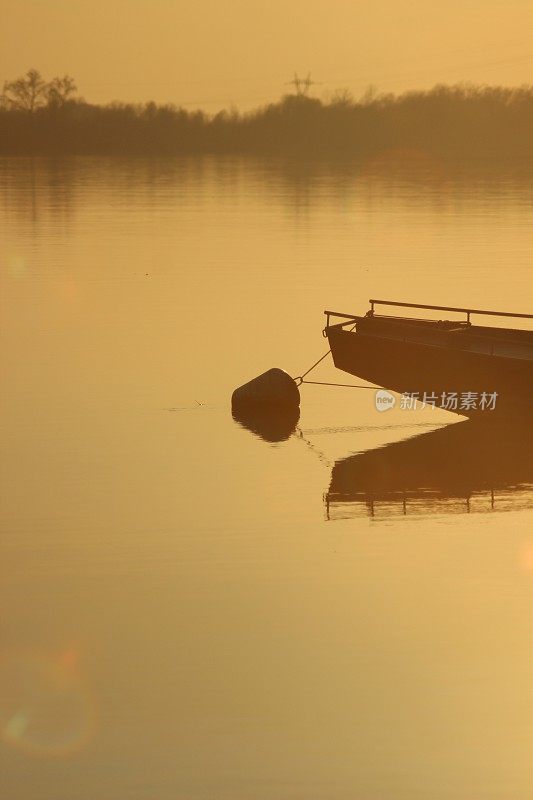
[475,342]
[467,311]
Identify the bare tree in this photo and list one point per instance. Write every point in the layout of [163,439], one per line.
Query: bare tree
[342,97]
[60,90]
[27,93]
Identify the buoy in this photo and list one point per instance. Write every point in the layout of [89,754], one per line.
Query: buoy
[274,388]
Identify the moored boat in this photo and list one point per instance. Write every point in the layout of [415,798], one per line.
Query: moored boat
[462,367]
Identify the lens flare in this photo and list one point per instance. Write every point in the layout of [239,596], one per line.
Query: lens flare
[45,705]
[526,557]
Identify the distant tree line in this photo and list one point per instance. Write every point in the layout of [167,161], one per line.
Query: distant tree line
[31,92]
[40,117]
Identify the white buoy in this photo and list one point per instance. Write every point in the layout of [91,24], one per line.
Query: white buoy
[273,388]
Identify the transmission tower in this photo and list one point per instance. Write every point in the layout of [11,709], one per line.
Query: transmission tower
[302,85]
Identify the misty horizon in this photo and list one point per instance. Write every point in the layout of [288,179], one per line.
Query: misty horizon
[213,57]
[263,537]
[462,120]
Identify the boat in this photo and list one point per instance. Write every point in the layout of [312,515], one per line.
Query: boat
[462,367]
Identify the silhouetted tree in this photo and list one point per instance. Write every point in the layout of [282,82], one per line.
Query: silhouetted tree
[60,90]
[453,122]
[27,93]
[342,98]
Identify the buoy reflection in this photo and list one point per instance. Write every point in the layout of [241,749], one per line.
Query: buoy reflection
[270,424]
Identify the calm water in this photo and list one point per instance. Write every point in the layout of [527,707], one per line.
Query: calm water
[190,611]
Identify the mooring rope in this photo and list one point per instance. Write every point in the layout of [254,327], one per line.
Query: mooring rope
[345,385]
[298,433]
[300,378]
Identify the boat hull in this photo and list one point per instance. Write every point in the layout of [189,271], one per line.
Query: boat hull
[417,368]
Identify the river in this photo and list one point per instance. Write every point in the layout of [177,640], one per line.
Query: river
[192,611]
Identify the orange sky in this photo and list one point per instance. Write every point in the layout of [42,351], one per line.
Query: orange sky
[214,54]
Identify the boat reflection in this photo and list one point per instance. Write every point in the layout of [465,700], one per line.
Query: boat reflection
[271,425]
[463,467]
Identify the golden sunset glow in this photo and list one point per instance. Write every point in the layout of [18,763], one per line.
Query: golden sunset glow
[212,55]
[236,240]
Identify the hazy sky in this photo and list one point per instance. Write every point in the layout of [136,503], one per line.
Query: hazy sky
[213,54]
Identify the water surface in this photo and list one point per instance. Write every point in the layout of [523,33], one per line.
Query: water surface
[192,611]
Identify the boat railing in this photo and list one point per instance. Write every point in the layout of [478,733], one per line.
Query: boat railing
[474,341]
[467,311]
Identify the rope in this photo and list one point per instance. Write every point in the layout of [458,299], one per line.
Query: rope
[321,455]
[299,380]
[345,385]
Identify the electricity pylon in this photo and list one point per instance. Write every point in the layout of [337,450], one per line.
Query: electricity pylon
[302,85]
